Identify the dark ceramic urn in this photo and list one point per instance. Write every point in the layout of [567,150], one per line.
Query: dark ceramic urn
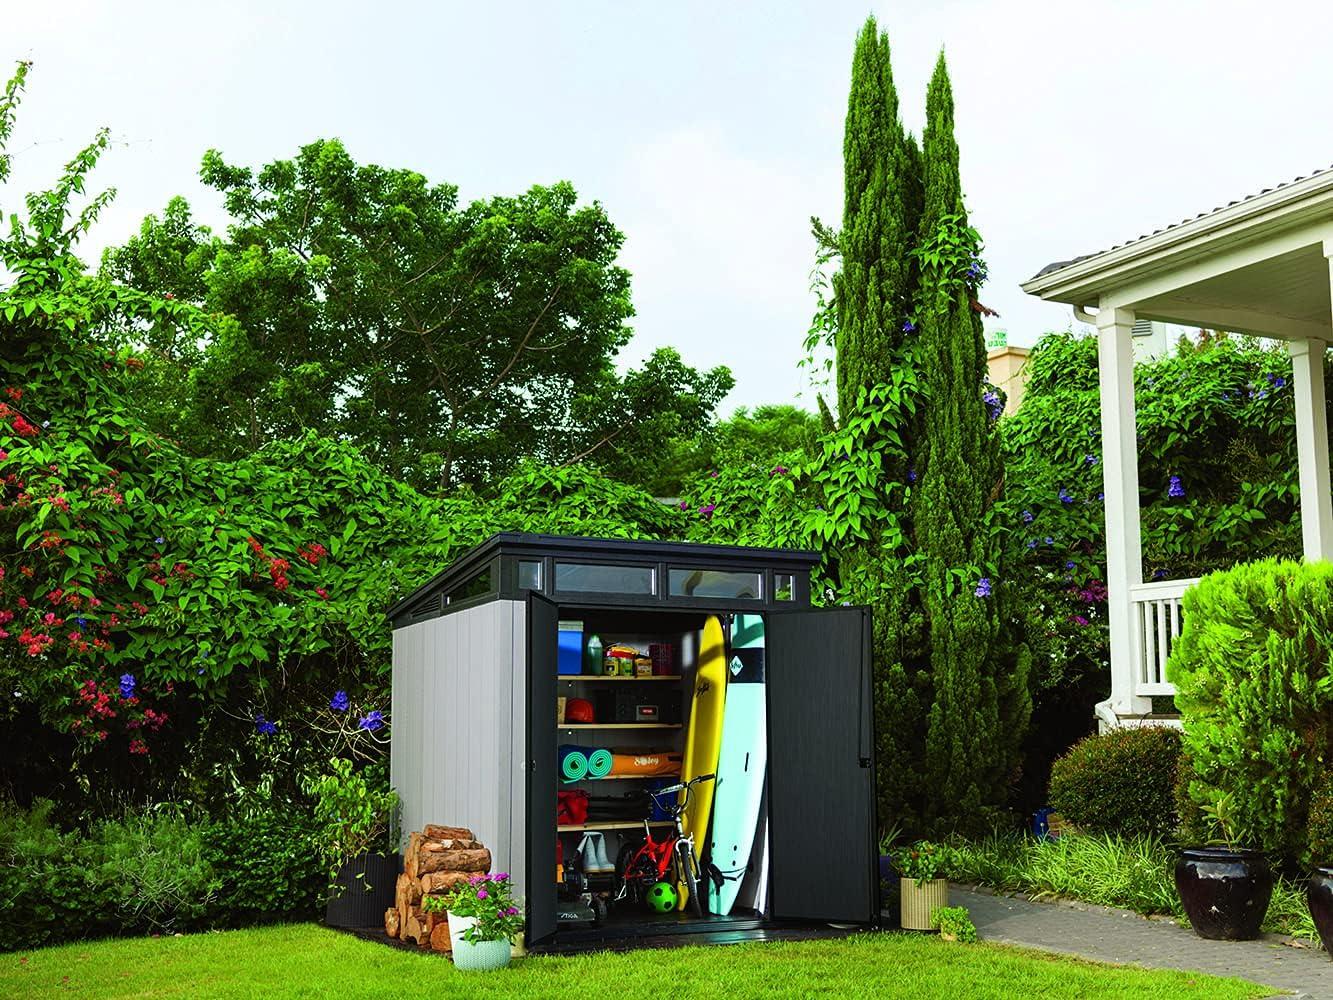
[1320,897]
[1225,893]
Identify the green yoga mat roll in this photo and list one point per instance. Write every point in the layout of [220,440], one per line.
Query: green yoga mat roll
[599,763]
[573,764]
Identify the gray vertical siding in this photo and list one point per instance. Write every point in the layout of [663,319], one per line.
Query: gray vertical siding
[459,701]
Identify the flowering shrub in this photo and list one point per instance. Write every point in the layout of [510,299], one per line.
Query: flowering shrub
[489,899]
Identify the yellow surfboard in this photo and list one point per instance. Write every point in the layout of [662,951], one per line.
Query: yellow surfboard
[703,739]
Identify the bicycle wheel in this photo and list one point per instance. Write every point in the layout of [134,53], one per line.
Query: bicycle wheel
[689,870]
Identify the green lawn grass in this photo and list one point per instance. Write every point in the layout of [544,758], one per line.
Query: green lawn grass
[304,960]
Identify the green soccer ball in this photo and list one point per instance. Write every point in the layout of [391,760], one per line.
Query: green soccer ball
[662,897]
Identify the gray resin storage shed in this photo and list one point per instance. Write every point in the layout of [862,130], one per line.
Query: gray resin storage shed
[480,680]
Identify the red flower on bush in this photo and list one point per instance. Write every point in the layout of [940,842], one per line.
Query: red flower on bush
[323,594]
[139,747]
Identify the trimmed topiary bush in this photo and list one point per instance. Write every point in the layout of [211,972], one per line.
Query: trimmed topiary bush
[1255,687]
[1319,828]
[1119,782]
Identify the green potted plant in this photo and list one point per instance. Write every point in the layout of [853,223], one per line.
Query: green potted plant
[1224,887]
[355,821]
[1319,893]
[924,890]
[954,924]
[483,919]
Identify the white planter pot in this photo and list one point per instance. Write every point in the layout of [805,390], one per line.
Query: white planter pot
[480,957]
[920,899]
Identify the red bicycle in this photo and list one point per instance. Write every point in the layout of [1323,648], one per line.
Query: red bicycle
[641,866]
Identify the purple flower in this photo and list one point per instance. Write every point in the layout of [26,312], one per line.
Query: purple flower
[911,475]
[127,684]
[371,721]
[712,475]
[83,623]
[707,509]
[1101,496]
[994,407]
[1090,459]
[1070,564]
[1065,496]
[482,894]
[909,327]
[512,911]
[684,505]
[1032,543]
[500,877]
[159,540]
[1027,517]
[983,587]
[1049,540]
[339,701]
[778,470]
[1174,489]
[1159,574]
[263,727]
[1079,620]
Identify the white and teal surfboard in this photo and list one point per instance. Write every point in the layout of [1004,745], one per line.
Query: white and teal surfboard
[739,789]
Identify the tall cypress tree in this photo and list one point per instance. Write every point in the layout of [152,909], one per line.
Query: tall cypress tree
[977,669]
[874,291]
[881,209]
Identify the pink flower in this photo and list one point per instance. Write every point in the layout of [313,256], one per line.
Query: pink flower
[482,894]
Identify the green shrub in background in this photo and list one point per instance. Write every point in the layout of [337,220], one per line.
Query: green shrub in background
[1121,781]
[1319,828]
[158,870]
[1254,685]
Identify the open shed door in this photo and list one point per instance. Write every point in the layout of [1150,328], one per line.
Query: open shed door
[821,777]
[543,626]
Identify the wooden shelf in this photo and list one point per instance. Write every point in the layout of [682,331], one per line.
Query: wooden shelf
[581,827]
[620,725]
[590,678]
[620,777]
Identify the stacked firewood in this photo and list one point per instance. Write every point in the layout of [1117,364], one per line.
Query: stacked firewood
[437,859]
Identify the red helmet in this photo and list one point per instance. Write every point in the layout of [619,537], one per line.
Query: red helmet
[578,710]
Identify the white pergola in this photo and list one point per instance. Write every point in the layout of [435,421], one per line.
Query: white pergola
[1262,265]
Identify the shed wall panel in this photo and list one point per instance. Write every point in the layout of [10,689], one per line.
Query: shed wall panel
[455,703]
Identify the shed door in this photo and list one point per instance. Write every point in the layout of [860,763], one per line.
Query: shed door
[821,777]
[543,624]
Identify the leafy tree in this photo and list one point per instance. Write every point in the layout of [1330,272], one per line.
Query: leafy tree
[446,341]
[978,671]
[763,438]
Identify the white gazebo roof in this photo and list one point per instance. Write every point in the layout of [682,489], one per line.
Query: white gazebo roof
[1257,265]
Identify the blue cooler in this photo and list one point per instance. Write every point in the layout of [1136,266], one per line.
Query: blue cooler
[569,649]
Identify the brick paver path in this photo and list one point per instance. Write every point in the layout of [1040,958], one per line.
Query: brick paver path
[1119,936]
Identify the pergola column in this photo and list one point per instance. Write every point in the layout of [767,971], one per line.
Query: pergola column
[1120,478]
[1307,370]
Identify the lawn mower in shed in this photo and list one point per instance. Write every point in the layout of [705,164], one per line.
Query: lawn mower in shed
[576,905]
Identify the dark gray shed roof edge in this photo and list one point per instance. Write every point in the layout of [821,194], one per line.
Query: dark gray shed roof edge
[520,541]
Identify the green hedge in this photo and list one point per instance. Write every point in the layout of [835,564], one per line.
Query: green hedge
[152,871]
[1119,782]
[1255,687]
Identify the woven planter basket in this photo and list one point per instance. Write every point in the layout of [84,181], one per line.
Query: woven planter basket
[920,900]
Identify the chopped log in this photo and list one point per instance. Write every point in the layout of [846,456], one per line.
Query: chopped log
[391,922]
[443,881]
[434,831]
[473,860]
[439,937]
[413,847]
[417,860]
[415,928]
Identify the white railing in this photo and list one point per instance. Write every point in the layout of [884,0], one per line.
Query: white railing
[1157,623]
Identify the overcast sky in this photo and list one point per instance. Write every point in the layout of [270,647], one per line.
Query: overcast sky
[710,131]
